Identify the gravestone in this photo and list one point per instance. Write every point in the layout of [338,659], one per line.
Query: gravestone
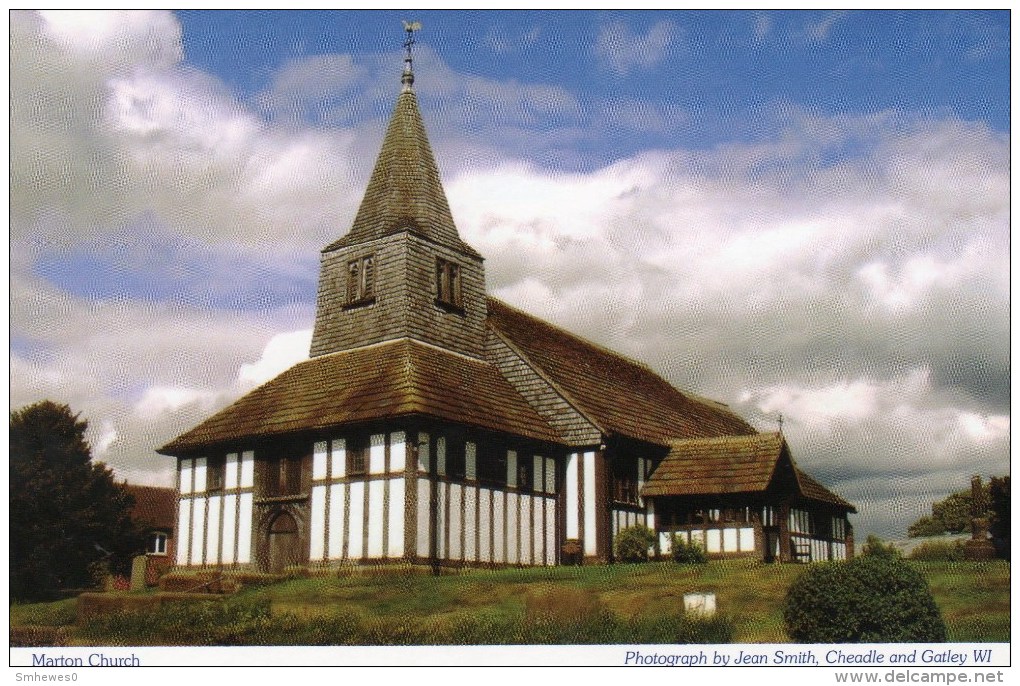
[138,567]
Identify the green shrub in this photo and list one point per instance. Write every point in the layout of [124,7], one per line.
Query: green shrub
[871,599]
[688,553]
[876,547]
[938,551]
[632,544]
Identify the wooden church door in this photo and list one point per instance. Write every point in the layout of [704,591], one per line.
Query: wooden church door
[284,543]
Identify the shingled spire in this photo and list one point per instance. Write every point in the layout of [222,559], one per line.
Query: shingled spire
[402,271]
[405,191]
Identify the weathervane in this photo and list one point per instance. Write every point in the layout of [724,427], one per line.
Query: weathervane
[780,423]
[408,78]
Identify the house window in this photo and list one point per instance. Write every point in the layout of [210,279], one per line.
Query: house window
[357,456]
[455,463]
[156,544]
[624,482]
[214,473]
[448,285]
[361,281]
[491,464]
[525,472]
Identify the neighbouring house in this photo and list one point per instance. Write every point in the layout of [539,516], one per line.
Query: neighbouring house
[155,510]
[436,425]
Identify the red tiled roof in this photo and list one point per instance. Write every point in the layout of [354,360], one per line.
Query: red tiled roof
[729,464]
[395,379]
[616,394]
[154,506]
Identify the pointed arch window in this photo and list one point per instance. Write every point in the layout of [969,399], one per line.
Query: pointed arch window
[361,281]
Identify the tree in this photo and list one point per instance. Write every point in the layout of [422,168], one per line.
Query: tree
[951,515]
[66,511]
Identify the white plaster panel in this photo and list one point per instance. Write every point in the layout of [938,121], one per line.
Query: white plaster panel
[456,524]
[512,549]
[511,468]
[398,452]
[470,472]
[317,526]
[377,454]
[665,542]
[525,520]
[212,538]
[470,523]
[650,515]
[550,532]
[550,475]
[183,531]
[231,471]
[247,469]
[423,516]
[423,452]
[698,536]
[571,497]
[485,525]
[729,542]
[197,531]
[498,528]
[229,528]
[337,496]
[200,475]
[320,460]
[244,524]
[338,458]
[713,541]
[747,539]
[395,543]
[186,477]
[375,519]
[589,503]
[441,455]
[356,523]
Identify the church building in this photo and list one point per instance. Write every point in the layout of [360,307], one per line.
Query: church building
[436,425]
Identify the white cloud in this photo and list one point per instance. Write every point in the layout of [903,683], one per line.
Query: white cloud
[819,31]
[621,50]
[282,352]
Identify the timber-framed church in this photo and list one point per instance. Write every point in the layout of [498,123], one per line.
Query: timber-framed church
[436,425]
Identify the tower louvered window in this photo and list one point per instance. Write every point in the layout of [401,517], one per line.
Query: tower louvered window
[361,281]
[448,284]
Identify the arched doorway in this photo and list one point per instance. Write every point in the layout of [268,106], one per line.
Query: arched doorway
[284,543]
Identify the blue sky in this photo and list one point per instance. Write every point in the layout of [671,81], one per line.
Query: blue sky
[803,213]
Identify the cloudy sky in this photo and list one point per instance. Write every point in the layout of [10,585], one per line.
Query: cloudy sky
[802,213]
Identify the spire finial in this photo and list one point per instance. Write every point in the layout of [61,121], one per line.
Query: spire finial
[780,423]
[408,78]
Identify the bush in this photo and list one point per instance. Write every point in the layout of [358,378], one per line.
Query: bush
[688,553]
[876,547]
[938,551]
[871,599]
[632,544]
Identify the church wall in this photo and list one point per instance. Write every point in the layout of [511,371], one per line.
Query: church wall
[215,524]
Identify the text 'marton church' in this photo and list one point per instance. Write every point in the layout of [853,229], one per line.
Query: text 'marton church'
[436,425]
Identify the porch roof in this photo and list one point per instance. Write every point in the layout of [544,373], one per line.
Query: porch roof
[731,464]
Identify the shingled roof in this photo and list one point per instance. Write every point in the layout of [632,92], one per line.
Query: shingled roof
[396,379]
[730,464]
[405,191]
[616,394]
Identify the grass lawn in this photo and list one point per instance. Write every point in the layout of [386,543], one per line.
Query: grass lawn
[615,603]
